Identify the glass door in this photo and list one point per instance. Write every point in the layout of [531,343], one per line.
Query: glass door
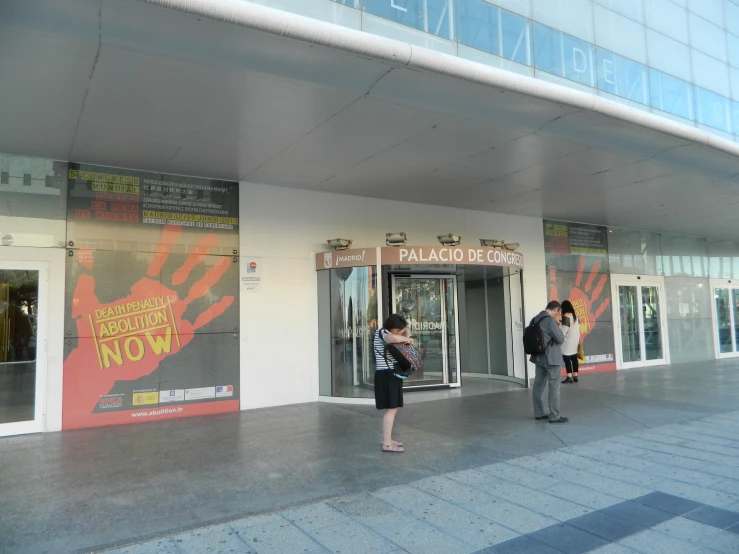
[429,303]
[726,319]
[640,326]
[23,289]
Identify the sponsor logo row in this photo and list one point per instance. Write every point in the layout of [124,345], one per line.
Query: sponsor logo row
[148,398]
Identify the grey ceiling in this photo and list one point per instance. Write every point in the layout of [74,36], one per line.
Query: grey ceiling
[123,83]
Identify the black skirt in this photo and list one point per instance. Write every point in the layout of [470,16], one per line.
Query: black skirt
[388,390]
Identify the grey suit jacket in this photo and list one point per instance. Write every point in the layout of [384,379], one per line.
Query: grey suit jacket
[553,337]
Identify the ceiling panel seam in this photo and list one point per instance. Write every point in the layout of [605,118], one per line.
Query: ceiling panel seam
[314,129]
[89,81]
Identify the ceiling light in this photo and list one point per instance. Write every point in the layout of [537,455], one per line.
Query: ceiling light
[339,244]
[395,239]
[449,240]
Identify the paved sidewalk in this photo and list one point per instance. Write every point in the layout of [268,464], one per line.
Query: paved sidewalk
[103,488]
[672,489]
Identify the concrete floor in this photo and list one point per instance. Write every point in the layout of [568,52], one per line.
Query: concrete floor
[94,488]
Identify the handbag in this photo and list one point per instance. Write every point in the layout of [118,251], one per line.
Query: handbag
[580,353]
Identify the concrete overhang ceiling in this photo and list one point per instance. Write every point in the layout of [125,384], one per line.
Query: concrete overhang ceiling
[133,84]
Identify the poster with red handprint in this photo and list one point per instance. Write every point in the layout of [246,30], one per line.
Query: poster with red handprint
[577,270]
[152,320]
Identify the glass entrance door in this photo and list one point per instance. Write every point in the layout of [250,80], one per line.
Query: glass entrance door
[23,287]
[726,319]
[640,326]
[429,303]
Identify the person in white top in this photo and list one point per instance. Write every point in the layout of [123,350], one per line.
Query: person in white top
[571,329]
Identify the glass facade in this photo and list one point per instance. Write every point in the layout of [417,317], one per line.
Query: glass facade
[687,265]
[676,58]
[353,324]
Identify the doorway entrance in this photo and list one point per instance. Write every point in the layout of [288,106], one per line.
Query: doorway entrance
[429,303]
[641,324]
[726,318]
[23,311]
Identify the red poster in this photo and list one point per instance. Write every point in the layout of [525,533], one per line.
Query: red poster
[152,328]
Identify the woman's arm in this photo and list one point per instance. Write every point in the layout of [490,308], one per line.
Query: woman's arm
[391,338]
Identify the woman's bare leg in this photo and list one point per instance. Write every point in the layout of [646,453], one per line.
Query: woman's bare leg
[387,428]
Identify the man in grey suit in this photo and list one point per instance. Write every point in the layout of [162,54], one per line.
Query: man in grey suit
[549,364]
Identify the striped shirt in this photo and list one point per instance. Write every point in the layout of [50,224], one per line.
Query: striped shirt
[379,346]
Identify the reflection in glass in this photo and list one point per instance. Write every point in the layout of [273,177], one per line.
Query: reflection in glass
[670,94]
[548,50]
[578,60]
[18,332]
[712,110]
[428,305]
[652,323]
[516,37]
[478,26]
[622,77]
[735,309]
[629,311]
[429,16]
[451,329]
[353,323]
[735,116]
[34,200]
[499,32]
[723,320]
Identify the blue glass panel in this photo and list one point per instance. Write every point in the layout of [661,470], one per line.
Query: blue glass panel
[735,118]
[516,37]
[548,50]
[712,109]
[622,77]
[670,94]
[578,60]
[477,25]
[431,16]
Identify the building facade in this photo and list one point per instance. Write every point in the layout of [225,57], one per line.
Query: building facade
[221,223]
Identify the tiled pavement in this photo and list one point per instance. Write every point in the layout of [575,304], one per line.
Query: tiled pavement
[671,489]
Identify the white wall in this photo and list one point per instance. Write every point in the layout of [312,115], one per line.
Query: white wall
[284,227]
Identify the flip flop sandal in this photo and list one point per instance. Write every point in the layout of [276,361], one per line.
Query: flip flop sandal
[391,448]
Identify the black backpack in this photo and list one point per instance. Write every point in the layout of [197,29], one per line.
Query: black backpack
[533,337]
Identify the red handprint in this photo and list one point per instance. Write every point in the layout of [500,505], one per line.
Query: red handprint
[130,337]
[582,297]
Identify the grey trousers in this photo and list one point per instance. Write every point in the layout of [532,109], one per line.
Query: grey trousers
[544,374]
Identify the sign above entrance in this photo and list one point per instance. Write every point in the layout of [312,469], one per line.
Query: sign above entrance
[450,255]
[358,257]
[419,255]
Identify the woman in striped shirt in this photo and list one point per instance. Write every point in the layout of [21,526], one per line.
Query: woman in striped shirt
[388,388]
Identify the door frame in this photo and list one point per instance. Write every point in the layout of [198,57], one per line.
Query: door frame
[438,276]
[37,424]
[730,284]
[639,281]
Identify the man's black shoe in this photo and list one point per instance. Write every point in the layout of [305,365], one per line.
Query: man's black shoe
[540,418]
[560,420]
